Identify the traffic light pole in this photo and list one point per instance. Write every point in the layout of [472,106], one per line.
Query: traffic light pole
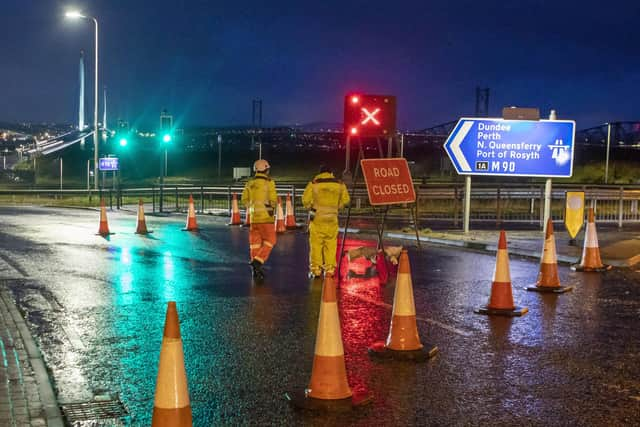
[161,180]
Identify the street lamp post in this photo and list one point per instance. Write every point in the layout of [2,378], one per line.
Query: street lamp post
[74,14]
[606,162]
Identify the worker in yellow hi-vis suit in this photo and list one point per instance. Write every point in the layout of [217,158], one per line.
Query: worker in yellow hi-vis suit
[260,198]
[324,196]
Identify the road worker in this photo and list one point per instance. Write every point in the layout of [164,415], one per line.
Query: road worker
[259,198]
[324,196]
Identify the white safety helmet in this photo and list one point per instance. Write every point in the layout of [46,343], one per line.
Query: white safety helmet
[260,165]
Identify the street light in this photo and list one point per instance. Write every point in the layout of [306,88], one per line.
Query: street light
[75,14]
[166,140]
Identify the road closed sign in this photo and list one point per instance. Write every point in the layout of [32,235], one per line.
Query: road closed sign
[388,181]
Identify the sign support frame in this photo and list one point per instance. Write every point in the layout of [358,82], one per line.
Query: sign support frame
[380,220]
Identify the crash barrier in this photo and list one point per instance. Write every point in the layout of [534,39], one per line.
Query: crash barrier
[524,204]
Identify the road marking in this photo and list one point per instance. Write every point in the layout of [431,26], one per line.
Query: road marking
[422,319]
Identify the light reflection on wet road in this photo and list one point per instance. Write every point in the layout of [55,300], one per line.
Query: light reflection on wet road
[96,308]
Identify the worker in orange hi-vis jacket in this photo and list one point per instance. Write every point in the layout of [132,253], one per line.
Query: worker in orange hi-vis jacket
[259,198]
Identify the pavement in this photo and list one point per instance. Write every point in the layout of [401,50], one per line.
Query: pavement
[26,395]
[617,248]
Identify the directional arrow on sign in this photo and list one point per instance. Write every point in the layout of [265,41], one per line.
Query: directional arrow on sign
[480,146]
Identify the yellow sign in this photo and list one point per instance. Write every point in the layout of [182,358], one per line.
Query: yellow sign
[574,212]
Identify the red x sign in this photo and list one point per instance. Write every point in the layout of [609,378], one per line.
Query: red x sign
[369,115]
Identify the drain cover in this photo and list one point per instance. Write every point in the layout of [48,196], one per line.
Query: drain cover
[102,408]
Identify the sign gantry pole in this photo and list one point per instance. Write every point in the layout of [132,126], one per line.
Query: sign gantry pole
[547,190]
[467,204]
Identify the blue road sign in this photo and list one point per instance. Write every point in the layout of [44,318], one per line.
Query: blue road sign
[479,146]
[108,164]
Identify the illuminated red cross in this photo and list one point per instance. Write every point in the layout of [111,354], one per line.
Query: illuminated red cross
[370,116]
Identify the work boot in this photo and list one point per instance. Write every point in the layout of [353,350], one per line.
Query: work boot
[256,266]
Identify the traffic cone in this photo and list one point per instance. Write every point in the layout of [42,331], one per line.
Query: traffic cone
[591,251]
[328,388]
[501,299]
[247,218]
[280,228]
[403,341]
[548,280]
[192,224]
[290,220]
[235,212]
[142,224]
[103,230]
[171,407]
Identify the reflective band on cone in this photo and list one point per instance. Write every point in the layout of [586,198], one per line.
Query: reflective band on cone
[501,298]
[192,224]
[328,388]
[591,260]
[290,219]
[235,212]
[171,407]
[548,279]
[403,341]
[280,228]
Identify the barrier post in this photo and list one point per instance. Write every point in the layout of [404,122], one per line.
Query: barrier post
[201,199]
[621,208]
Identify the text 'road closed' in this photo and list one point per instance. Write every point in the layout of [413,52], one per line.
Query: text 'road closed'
[388,181]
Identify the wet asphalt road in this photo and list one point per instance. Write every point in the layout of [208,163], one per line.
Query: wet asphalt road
[96,308]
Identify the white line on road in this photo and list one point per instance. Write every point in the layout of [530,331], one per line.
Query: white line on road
[422,319]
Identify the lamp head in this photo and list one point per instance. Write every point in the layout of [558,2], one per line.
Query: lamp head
[74,14]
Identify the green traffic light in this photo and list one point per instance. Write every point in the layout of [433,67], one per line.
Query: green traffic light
[166,137]
[123,142]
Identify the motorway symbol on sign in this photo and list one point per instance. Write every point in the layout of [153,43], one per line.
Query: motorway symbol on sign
[108,164]
[479,146]
[388,181]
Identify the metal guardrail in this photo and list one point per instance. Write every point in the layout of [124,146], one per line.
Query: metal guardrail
[490,203]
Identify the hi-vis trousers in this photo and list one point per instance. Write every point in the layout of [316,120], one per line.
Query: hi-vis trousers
[323,243]
[262,239]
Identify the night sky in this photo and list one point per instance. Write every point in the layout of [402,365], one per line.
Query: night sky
[206,60]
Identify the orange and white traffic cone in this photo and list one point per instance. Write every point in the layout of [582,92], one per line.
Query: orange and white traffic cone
[103,230]
[235,212]
[328,388]
[142,224]
[290,220]
[548,280]
[591,260]
[247,218]
[171,406]
[192,224]
[501,298]
[403,341]
[280,228]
